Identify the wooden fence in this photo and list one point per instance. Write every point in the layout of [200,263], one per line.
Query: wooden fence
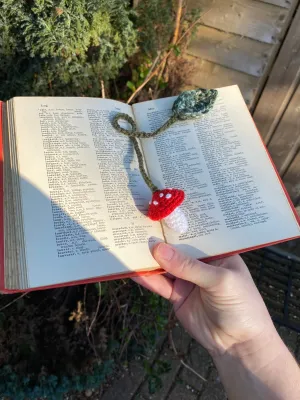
[277,114]
[256,44]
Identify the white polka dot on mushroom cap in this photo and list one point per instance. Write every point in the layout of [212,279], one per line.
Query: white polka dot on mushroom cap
[161,195]
[168,196]
[155,202]
[150,202]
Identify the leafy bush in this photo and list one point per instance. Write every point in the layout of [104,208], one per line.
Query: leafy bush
[45,348]
[155,23]
[62,47]
[49,387]
[67,47]
[154,374]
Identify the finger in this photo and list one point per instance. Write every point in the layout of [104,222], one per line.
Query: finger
[158,284]
[184,267]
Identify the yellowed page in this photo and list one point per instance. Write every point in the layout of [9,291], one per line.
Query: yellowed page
[233,197]
[83,198]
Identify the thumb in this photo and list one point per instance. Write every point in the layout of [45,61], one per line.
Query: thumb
[187,268]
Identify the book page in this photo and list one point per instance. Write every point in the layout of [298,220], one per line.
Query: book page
[83,198]
[233,196]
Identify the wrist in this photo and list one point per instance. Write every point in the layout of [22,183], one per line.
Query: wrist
[255,353]
[261,368]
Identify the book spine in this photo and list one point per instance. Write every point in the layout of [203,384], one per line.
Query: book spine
[2,281]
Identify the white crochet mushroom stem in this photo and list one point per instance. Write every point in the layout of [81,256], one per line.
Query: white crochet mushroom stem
[177,221]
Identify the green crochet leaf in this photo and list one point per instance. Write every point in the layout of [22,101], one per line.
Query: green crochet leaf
[194,103]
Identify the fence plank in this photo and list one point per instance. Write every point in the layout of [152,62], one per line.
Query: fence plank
[210,75]
[292,180]
[282,82]
[253,19]
[285,143]
[232,51]
[280,3]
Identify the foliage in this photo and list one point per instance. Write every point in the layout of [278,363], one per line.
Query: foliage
[62,47]
[66,47]
[138,75]
[50,387]
[138,317]
[155,24]
[44,342]
[154,374]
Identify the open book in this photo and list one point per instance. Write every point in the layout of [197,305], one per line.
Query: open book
[75,204]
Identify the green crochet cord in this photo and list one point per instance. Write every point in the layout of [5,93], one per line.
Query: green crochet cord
[191,104]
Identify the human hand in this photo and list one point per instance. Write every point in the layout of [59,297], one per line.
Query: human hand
[217,303]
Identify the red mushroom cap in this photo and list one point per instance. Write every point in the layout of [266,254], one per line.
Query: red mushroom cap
[164,202]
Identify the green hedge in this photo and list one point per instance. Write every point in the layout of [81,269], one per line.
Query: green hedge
[63,47]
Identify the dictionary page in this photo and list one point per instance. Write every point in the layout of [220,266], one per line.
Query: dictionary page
[234,199]
[83,198]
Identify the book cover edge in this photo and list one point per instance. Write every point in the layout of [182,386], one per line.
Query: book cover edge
[2,283]
[145,273]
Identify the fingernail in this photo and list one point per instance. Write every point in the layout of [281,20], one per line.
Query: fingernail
[164,251]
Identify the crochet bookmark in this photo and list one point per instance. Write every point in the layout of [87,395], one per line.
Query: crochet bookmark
[165,203]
